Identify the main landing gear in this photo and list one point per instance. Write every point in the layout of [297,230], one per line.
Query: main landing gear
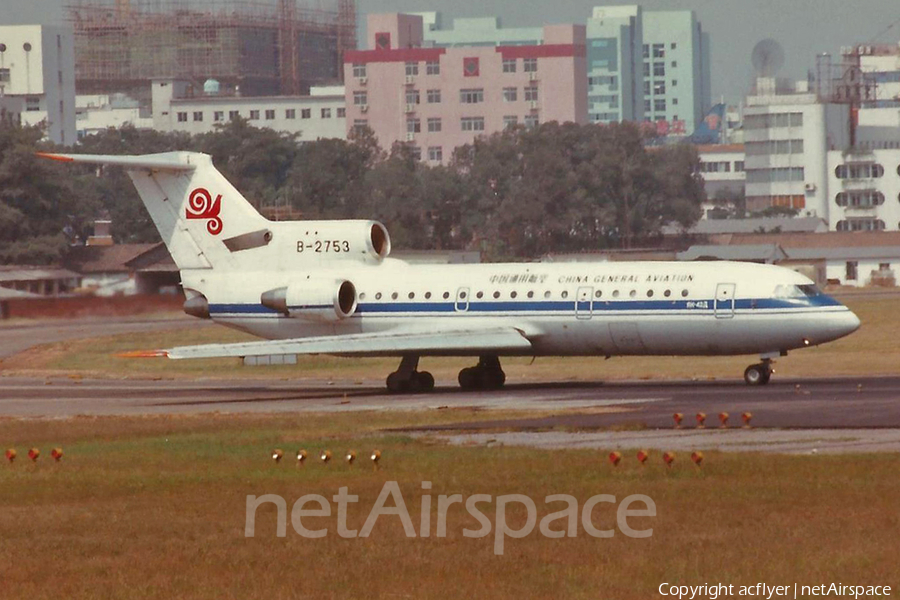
[407,380]
[486,375]
[759,374]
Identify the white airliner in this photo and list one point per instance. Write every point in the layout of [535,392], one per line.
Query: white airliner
[329,287]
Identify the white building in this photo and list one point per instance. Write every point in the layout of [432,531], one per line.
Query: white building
[179,106]
[96,113]
[614,42]
[37,64]
[676,70]
[864,188]
[787,134]
[724,178]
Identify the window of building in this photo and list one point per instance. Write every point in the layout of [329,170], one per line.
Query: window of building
[646,69]
[852,270]
[433,67]
[359,70]
[412,96]
[659,69]
[341,112]
[233,114]
[471,96]
[675,103]
[4,75]
[416,152]
[182,117]
[529,65]
[270,114]
[254,115]
[861,225]
[674,46]
[659,50]
[509,65]
[198,115]
[412,68]
[646,87]
[659,105]
[218,115]
[648,105]
[859,171]
[531,121]
[326,113]
[531,93]
[646,51]
[659,88]
[435,153]
[434,125]
[510,121]
[472,123]
[884,266]
[434,96]
[510,94]
[860,199]
[738,166]
[359,124]
[413,126]
[360,98]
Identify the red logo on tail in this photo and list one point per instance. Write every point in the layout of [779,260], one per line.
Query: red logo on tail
[202,206]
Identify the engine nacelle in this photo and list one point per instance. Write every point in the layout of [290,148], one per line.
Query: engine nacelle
[314,299]
[328,240]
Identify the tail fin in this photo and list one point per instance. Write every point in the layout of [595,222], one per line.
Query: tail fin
[198,213]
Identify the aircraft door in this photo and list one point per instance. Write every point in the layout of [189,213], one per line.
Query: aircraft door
[462,299]
[583,307]
[725,300]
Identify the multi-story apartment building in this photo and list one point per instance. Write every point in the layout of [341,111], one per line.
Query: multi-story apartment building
[614,41]
[439,98]
[676,70]
[37,65]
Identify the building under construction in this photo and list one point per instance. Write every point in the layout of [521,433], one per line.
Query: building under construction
[256,48]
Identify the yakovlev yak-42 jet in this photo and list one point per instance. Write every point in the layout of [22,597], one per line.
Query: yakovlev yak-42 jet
[329,287]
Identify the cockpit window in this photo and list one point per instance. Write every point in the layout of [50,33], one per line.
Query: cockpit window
[797,291]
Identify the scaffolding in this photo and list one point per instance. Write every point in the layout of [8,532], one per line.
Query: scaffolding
[257,47]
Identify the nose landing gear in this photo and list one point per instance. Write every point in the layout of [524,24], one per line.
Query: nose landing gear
[759,374]
[486,375]
[407,380]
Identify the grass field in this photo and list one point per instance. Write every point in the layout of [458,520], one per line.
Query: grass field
[872,350]
[155,508]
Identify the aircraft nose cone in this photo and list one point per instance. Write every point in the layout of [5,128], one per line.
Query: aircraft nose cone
[845,324]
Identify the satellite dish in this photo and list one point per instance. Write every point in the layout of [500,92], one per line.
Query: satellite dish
[767,58]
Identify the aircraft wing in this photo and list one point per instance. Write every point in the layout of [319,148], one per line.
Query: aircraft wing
[448,342]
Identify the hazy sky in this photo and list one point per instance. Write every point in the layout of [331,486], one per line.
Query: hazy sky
[803,27]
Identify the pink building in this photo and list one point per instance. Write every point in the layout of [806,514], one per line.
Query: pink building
[439,98]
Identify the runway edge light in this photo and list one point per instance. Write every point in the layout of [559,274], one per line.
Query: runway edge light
[351,457]
[701,420]
[642,456]
[277,455]
[668,458]
[375,457]
[615,458]
[34,454]
[747,417]
[723,418]
[301,457]
[679,417]
[11,454]
[57,454]
[325,456]
[697,458]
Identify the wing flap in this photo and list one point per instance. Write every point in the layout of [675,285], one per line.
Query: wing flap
[506,339]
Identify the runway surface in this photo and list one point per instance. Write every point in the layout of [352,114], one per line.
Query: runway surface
[819,403]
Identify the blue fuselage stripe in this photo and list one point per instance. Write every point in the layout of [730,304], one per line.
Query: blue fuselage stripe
[554,306]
